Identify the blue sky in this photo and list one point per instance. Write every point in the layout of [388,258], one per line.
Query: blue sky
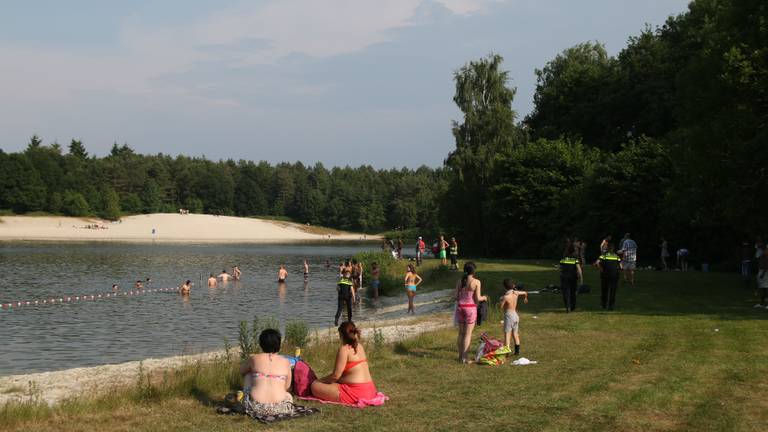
[343,82]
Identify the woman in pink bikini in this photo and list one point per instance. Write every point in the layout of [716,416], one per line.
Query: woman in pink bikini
[350,380]
[266,379]
[468,295]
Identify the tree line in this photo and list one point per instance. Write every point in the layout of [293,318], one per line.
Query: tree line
[667,138]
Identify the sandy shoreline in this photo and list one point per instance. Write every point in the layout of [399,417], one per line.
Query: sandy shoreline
[53,387]
[167,227]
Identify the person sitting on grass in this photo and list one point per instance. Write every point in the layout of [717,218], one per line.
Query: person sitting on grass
[511,319]
[266,379]
[350,381]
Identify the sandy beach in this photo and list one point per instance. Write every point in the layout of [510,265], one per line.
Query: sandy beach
[167,227]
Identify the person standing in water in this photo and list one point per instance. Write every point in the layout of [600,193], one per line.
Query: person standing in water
[282,274]
[224,276]
[236,273]
[212,282]
[306,271]
[185,288]
[346,296]
[412,280]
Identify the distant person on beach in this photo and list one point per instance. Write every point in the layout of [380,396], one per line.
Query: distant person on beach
[468,296]
[608,264]
[138,285]
[511,319]
[443,245]
[375,282]
[185,288]
[282,274]
[267,378]
[306,271]
[236,273]
[346,296]
[454,252]
[212,281]
[412,280]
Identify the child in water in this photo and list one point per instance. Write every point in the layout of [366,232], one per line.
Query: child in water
[511,319]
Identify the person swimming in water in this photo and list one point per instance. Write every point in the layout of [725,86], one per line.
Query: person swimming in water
[306,271]
[212,281]
[138,285]
[236,273]
[412,280]
[282,274]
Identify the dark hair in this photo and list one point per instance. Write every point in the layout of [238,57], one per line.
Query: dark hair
[411,268]
[509,284]
[611,246]
[269,341]
[189,281]
[354,261]
[350,334]
[211,274]
[469,269]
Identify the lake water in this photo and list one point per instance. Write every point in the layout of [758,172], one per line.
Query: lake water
[113,330]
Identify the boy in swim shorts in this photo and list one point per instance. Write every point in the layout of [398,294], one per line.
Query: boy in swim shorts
[511,319]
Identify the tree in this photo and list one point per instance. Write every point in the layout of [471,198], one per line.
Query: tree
[77,149]
[487,132]
[111,204]
[74,204]
[21,188]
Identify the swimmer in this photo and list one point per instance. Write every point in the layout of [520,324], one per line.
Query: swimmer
[306,271]
[212,282]
[236,273]
[138,285]
[147,282]
[224,276]
[185,288]
[327,264]
[282,274]
[115,287]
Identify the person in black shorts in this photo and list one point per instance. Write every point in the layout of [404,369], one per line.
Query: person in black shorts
[608,263]
[570,274]
[346,296]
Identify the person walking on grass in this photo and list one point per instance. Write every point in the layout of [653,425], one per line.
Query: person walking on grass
[412,280]
[420,246]
[628,254]
[511,319]
[664,253]
[454,252]
[608,264]
[570,274]
[468,296]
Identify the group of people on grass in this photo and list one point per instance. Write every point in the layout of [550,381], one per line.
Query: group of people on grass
[441,249]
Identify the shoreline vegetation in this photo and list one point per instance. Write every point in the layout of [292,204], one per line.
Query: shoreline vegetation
[678,354]
[169,227]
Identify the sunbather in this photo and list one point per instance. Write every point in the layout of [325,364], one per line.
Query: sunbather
[266,379]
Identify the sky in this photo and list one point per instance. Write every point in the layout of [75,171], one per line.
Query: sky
[342,82]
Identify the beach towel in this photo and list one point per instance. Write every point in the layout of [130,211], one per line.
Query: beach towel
[491,352]
[362,403]
[298,411]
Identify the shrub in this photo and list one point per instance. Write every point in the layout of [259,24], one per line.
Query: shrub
[297,333]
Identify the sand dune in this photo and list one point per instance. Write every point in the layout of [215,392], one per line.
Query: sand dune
[167,228]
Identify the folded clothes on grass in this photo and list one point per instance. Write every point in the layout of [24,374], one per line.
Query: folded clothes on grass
[298,411]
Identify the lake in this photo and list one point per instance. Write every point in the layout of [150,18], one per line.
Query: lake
[158,324]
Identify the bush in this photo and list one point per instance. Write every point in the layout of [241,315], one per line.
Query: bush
[296,333]
[74,204]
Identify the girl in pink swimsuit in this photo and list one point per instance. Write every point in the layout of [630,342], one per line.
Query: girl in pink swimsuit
[467,296]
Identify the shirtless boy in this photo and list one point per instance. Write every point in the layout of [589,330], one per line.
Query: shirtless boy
[224,276]
[212,282]
[282,274]
[185,288]
[511,320]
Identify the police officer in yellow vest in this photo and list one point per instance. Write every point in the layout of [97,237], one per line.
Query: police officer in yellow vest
[570,274]
[608,263]
[346,295]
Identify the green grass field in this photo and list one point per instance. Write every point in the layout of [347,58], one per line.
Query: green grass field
[683,352]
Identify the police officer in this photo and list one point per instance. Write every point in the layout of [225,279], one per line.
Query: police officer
[608,263]
[570,274]
[346,295]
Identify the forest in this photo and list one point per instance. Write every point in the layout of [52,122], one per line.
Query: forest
[665,139]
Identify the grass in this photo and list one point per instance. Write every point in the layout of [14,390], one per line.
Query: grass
[656,364]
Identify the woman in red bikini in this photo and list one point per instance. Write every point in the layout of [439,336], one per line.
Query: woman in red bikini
[350,380]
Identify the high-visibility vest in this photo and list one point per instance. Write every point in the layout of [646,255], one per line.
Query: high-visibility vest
[345,281]
[609,257]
